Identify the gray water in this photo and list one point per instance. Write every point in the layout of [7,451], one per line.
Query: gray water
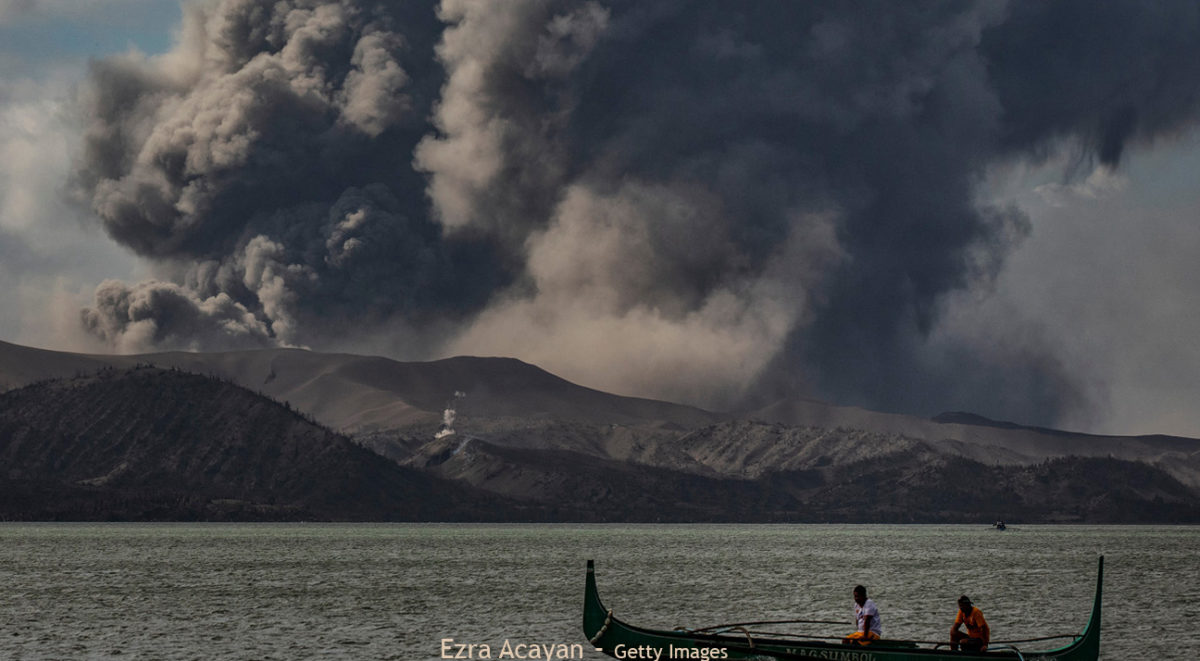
[309,591]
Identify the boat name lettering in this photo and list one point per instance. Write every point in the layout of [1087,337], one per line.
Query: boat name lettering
[510,650]
[835,655]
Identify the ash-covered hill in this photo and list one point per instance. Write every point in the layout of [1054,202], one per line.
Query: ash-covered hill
[993,442]
[148,443]
[351,393]
[815,475]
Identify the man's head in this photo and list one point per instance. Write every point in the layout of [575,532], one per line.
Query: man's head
[860,595]
[964,604]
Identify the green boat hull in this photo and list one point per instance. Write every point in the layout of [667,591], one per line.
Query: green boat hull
[615,638]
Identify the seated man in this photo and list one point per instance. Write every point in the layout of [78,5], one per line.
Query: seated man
[866,616]
[978,634]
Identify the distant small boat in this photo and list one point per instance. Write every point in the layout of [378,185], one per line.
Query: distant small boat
[739,641]
[999,525]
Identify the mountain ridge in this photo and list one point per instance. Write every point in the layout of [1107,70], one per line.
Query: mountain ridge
[534,440]
[349,392]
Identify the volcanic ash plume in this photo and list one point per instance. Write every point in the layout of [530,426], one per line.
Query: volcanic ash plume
[700,200]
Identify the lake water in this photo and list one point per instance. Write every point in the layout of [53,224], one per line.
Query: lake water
[320,591]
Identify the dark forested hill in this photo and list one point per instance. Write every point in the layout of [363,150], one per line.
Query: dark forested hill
[148,443]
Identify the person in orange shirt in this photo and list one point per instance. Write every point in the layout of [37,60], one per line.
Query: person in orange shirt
[978,634]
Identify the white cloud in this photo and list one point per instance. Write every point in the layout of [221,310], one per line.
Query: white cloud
[1102,183]
[52,258]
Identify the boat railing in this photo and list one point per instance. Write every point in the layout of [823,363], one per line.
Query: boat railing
[784,635]
[744,630]
[719,629]
[716,629]
[1039,638]
[754,623]
[883,644]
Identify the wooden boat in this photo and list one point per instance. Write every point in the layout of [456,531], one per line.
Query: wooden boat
[737,641]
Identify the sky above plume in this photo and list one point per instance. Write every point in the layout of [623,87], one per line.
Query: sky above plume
[911,207]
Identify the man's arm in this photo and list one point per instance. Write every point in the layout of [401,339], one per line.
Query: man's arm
[866,623]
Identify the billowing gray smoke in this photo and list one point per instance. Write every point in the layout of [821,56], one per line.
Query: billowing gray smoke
[705,200]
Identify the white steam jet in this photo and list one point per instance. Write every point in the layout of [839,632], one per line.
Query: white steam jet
[448,415]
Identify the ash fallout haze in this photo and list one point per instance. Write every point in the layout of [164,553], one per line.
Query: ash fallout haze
[910,207]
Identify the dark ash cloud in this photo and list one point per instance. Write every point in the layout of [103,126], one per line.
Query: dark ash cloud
[704,200]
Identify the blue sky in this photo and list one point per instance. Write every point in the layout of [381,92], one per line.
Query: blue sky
[52,254]
[39,35]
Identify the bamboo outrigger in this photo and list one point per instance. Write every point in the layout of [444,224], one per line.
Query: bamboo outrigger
[735,641]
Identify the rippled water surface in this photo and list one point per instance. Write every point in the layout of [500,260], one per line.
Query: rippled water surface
[295,591]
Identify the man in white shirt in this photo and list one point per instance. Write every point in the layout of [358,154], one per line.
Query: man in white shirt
[866,617]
